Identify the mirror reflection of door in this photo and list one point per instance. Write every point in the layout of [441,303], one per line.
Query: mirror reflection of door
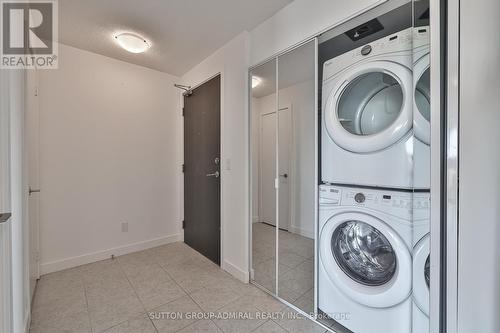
[267,161]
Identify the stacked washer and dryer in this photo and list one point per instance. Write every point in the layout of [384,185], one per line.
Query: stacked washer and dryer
[373,270]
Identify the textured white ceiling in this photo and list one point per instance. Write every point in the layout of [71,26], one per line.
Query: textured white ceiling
[182,32]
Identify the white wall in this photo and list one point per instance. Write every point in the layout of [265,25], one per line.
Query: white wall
[300,20]
[301,98]
[109,153]
[232,62]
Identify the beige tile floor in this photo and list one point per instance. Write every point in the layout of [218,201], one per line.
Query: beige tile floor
[296,264]
[156,291]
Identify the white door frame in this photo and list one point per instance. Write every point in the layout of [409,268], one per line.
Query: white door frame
[5,207]
[32,125]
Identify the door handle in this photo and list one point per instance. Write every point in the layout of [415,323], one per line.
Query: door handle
[31,191]
[285,175]
[216,174]
[4,217]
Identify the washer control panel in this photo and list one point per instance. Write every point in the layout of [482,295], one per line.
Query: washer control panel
[391,202]
[329,195]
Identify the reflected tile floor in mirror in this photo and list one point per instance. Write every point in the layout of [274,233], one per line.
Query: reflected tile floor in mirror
[131,293]
[296,264]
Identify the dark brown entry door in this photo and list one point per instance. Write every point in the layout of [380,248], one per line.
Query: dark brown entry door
[202,169]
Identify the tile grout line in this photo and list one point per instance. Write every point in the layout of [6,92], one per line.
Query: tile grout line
[136,294]
[255,329]
[87,304]
[187,294]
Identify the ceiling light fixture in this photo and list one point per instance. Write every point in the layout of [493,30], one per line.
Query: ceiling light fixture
[132,43]
[255,81]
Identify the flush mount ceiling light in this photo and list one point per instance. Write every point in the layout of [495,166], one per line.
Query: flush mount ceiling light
[256,81]
[132,43]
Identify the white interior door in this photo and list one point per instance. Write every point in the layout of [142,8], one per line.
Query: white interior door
[267,174]
[284,157]
[33,157]
[268,156]
[5,208]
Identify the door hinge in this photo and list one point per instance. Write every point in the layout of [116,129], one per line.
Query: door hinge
[183,224]
[184,168]
[183,112]
[36,91]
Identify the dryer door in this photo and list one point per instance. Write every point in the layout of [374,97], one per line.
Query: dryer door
[421,274]
[366,259]
[370,108]
[422,99]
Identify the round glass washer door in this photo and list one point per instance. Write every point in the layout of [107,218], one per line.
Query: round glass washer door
[370,108]
[366,259]
[421,274]
[422,99]
[364,253]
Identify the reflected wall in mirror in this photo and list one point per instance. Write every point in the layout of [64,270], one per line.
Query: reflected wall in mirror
[297,175]
[263,156]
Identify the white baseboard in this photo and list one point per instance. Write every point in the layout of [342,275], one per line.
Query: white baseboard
[60,265]
[235,271]
[303,232]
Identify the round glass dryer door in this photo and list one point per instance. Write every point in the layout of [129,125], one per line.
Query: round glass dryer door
[371,107]
[370,103]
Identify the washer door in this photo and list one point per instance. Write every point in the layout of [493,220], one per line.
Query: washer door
[421,274]
[366,259]
[370,108]
[422,99]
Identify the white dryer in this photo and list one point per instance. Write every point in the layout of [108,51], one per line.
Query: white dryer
[421,262]
[365,264]
[368,115]
[421,107]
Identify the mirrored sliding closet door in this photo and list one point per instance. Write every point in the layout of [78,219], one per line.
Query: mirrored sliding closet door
[284,175]
[264,168]
[297,176]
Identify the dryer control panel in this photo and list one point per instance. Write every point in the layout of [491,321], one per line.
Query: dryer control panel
[398,45]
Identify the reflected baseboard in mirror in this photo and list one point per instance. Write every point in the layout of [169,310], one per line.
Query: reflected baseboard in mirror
[296,265]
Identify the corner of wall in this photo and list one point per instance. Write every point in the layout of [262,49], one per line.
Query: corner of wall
[240,274]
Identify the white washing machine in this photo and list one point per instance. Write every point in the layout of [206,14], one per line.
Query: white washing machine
[365,263]
[422,107]
[421,262]
[367,117]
